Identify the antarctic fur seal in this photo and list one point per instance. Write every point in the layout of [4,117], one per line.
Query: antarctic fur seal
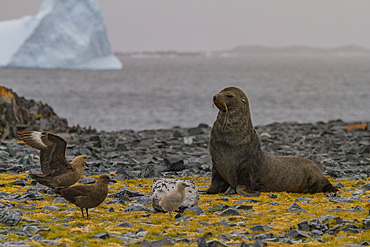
[56,170]
[238,160]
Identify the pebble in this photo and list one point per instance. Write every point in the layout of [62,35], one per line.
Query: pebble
[9,217]
[230,211]
[295,208]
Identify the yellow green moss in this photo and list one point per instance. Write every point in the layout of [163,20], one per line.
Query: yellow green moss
[100,220]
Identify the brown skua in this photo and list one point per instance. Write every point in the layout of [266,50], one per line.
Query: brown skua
[87,196]
[56,170]
[174,198]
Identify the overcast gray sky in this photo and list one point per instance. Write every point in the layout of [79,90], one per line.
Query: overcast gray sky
[208,25]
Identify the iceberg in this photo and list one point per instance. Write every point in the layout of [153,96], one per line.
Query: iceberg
[64,34]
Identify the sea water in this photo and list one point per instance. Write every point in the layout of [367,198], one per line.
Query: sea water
[162,92]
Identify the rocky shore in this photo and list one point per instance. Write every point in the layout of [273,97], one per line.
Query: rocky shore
[135,158]
[340,149]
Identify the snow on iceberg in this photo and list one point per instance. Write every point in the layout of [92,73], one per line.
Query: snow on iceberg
[64,34]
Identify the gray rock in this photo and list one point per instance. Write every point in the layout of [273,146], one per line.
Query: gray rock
[174,163]
[19,183]
[230,211]
[338,185]
[103,235]
[303,200]
[230,191]
[87,180]
[240,233]
[160,187]
[366,187]
[51,208]
[358,208]
[145,200]
[216,208]
[326,218]
[10,217]
[259,228]
[244,207]
[316,233]
[195,209]
[161,242]
[59,199]
[297,234]
[359,192]
[134,207]
[125,224]
[223,237]
[150,171]
[202,242]
[272,196]
[295,208]
[14,244]
[36,237]
[222,223]
[195,131]
[121,147]
[215,243]
[336,210]
[340,200]
[366,223]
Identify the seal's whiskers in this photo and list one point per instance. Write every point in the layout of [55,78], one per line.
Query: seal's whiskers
[226,117]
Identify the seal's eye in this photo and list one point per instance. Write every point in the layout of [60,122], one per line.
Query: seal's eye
[229,96]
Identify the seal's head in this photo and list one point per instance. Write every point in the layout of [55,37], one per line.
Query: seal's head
[230,98]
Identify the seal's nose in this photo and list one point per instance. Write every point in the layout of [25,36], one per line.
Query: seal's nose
[215,98]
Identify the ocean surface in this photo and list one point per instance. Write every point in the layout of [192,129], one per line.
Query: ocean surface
[163,92]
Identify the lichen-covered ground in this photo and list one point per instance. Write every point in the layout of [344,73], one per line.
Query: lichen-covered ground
[79,231]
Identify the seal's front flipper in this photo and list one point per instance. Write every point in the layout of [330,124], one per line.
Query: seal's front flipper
[218,184]
[243,190]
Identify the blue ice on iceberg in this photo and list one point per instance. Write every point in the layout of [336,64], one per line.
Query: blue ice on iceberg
[64,34]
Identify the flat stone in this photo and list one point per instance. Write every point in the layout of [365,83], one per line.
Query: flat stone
[216,208]
[336,210]
[366,187]
[259,228]
[230,211]
[59,199]
[244,207]
[10,217]
[222,223]
[51,208]
[272,196]
[326,218]
[103,235]
[19,183]
[340,200]
[215,243]
[87,180]
[125,224]
[366,223]
[195,209]
[295,208]
[297,234]
[202,242]
[161,242]
[223,237]
[134,207]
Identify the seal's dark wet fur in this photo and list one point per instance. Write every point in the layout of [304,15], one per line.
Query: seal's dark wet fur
[239,161]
